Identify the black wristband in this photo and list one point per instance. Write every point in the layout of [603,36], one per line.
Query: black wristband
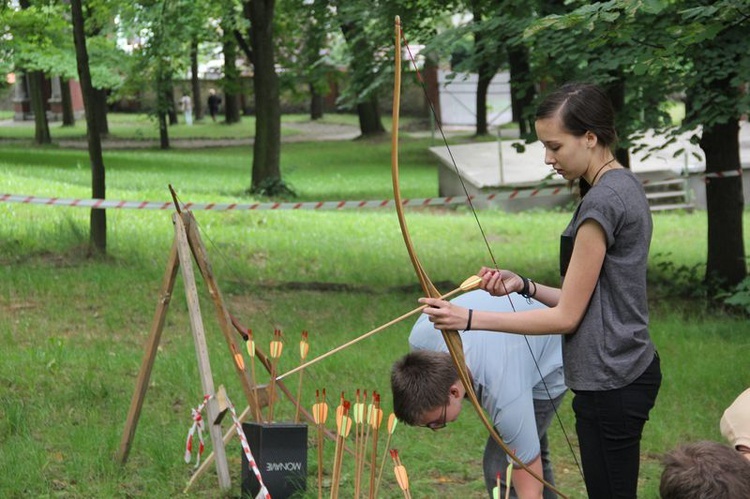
[525,290]
[468,322]
[527,287]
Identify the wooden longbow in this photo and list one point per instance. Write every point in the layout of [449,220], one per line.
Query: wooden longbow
[452,337]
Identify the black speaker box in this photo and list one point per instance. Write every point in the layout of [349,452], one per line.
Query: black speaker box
[280,451]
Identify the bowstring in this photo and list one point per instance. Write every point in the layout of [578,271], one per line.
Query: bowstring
[473,210]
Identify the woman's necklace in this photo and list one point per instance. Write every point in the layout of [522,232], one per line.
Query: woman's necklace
[596,175]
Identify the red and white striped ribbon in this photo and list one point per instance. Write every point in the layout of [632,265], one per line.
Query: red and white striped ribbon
[311,205]
[198,424]
[509,195]
[263,492]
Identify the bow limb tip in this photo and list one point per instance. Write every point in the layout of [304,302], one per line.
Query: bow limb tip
[471,283]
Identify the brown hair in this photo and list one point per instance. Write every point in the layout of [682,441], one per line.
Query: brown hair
[703,470]
[582,107]
[420,382]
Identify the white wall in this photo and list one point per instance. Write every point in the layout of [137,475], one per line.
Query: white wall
[458,99]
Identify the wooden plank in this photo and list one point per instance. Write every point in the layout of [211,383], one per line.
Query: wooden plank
[201,350]
[152,344]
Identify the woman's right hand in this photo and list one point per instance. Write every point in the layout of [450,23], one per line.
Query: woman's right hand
[499,282]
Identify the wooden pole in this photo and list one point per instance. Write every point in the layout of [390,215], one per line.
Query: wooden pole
[201,351]
[152,344]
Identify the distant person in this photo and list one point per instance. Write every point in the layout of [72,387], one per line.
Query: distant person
[214,101]
[735,424]
[186,105]
[704,470]
[519,393]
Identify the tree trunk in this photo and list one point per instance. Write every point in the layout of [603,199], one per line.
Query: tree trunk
[432,88]
[316,103]
[195,81]
[369,117]
[98,219]
[100,108]
[616,93]
[483,84]
[485,72]
[68,115]
[163,130]
[38,101]
[367,108]
[171,111]
[521,88]
[726,265]
[164,103]
[231,78]
[41,126]
[267,146]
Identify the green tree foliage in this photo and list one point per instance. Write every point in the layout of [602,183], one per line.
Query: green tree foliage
[656,49]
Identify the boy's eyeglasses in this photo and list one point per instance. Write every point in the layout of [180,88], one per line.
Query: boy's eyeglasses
[439,423]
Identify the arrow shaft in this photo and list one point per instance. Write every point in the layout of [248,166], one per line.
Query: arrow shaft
[364,336]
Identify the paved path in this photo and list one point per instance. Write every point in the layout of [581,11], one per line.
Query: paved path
[301,132]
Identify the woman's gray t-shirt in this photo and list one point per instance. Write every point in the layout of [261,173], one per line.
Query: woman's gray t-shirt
[612,346]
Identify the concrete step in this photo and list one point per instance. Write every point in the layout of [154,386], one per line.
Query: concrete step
[664,183]
[666,194]
[675,206]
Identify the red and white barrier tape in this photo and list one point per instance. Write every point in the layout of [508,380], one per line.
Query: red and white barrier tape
[509,195]
[313,205]
[263,492]
[724,174]
[196,427]
[198,424]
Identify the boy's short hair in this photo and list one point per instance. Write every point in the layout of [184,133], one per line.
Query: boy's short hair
[420,382]
[704,469]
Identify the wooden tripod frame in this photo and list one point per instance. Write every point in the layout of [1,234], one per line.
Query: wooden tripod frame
[187,245]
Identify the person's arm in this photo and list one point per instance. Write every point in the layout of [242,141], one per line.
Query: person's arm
[583,272]
[525,485]
[503,282]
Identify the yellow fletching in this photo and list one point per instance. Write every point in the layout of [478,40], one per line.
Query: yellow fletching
[304,348]
[402,477]
[470,283]
[240,361]
[392,422]
[320,412]
[376,418]
[344,426]
[250,344]
[359,412]
[276,348]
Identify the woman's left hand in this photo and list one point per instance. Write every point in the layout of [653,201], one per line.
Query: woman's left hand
[444,315]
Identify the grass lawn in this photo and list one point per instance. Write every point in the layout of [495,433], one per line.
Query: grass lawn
[73,328]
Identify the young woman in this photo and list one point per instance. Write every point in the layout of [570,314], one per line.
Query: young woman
[610,362]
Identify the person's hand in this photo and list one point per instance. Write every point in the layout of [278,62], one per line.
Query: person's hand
[499,282]
[445,315]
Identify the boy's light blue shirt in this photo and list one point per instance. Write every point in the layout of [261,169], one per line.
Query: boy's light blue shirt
[505,376]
